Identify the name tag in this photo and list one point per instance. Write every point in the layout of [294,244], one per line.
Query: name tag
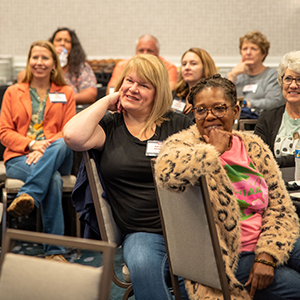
[178,105]
[250,88]
[111,90]
[57,98]
[153,148]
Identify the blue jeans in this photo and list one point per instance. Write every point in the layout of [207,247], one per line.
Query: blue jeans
[146,258]
[44,184]
[286,283]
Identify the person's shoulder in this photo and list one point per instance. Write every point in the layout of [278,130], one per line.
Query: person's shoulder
[18,86]
[272,71]
[178,119]
[274,111]
[122,63]
[167,62]
[61,88]
[111,118]
[85,65]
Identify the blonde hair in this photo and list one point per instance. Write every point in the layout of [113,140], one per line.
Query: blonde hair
[56,75]
[151,69]
[209,69]
[290,60]
[257,38]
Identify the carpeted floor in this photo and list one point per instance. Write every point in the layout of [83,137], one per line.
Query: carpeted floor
[86,258]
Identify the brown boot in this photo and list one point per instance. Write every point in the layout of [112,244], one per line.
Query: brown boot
[56,257]
[21,206]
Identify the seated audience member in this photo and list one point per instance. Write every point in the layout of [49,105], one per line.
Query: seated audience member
[280,127]
[254,81]
[146,44]
[126,141]
[196,64]
[77,72]
[32,118]
[256,221]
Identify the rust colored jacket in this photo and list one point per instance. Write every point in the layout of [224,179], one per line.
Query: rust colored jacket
[16,112]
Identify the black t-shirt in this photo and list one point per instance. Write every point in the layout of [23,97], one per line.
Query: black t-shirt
[127,175]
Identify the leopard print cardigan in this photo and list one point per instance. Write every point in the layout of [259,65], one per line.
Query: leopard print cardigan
[185,156]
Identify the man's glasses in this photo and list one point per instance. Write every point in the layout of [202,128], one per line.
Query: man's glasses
[218,111]
[289,79]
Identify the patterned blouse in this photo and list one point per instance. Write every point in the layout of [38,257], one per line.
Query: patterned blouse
[85,79]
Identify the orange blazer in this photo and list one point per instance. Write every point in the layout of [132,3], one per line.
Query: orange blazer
[16,112]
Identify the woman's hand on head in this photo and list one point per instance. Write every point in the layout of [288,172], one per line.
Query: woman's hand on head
[114,102]
[261,275]
[220,139]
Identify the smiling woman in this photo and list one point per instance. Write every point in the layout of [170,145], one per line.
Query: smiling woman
[247,193]
[142,118]
[33,114]
[280,127]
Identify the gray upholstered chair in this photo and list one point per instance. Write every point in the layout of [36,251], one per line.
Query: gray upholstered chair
[32,278]
[12,187]
[191,238]
[108,228]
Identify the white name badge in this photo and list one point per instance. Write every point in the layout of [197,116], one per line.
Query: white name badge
[250,88]
[111,90]
[57,98]
[178,105]
[153,148]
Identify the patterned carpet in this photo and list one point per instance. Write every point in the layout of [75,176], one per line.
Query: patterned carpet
[87,257]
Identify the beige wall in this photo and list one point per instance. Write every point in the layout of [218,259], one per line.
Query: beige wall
[108,29]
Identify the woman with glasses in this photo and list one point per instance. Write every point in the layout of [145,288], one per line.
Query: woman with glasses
[254,81]
[280,127]
[256,221]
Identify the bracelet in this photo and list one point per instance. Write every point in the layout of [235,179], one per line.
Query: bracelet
[265,262]
[30,145]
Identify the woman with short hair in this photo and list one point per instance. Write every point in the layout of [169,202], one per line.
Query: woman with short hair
[280,127]
[255,82]
[257,226]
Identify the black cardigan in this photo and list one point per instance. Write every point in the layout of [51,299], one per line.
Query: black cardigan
[267,128]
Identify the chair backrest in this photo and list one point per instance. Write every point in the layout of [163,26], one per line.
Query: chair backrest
[191,237]
[32,278]
[108,228]
[244,122]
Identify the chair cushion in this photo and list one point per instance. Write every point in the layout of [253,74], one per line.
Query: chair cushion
[31,278]
[68,183]
[13,183]
[2,171]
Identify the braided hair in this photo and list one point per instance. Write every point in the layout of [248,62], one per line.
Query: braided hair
[215,81]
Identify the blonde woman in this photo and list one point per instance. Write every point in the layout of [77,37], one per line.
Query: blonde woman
[33,114]
[127,140]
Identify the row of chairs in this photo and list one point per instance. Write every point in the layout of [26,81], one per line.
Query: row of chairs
[187,221]
[183,236]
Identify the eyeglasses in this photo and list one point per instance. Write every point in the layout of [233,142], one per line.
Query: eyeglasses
[289,79]
[218,111]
